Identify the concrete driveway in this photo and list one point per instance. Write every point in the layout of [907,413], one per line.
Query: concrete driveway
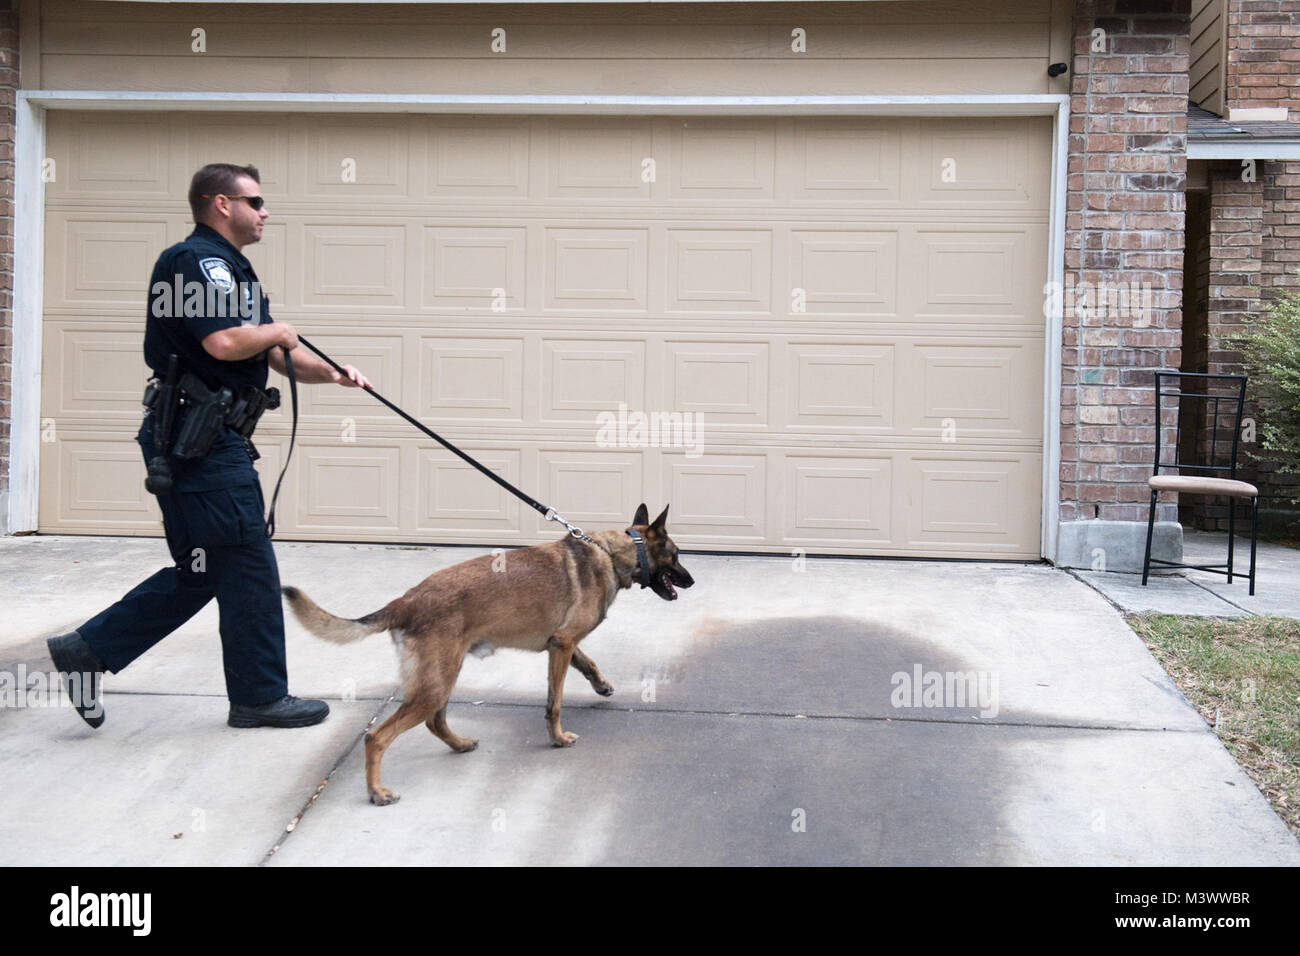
[828,711]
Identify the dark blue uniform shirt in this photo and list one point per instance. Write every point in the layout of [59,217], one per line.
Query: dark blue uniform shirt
[198,287]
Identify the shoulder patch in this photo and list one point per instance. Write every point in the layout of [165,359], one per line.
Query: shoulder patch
[218,273]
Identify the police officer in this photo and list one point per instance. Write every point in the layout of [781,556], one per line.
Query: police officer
[206,309]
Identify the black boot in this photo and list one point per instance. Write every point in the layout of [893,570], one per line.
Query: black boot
[80,669]
[286,712]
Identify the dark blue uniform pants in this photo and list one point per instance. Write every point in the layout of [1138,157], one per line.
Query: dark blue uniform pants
[217,539]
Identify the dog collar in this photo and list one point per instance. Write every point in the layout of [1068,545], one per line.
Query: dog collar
[642,560]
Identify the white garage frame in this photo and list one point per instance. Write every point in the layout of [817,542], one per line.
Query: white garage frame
[21,514]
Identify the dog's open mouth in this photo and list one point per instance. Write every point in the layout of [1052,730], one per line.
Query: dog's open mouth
[668,586]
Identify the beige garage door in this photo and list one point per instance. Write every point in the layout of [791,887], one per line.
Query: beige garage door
[819,334]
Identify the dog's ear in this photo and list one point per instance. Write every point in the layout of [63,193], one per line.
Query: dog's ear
[659,523]
[642,515]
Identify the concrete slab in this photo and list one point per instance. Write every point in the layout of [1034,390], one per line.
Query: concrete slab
[1073,746]
[163,782]
[1277,573]
[716,789]
[1204,594]
[1163,594]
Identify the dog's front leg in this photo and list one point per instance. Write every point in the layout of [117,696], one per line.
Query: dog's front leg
[561,655]
[588,669]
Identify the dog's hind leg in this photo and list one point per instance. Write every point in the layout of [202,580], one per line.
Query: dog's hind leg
[561,654]
[441,674]
[438,725]
[381,738]
[588,669]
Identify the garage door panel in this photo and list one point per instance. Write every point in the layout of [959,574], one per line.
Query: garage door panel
[346,488]
[840,385]
[357,158]
[984,389]
[590,487]
[379,355]
[353,265]
[603,270]
[129,159]
[844,272]
[964,273]
[849,160]
[723,160]
[982,164]
[716,497]
[839,501]
[973,505]
[474,267]
[485,160]
[471,378]
[718,381]
[595,159]
[794,330]
[585,378]
[719,270]
[455,497]
[92,369]
[101,483]
[108,262]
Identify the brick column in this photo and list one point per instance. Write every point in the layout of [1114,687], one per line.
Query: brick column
[8,84]
[1263,39]
[1124,230]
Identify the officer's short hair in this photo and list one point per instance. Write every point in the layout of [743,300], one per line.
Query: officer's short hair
[216,179]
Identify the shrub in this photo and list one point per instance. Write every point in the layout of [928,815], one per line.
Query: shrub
[1271,359]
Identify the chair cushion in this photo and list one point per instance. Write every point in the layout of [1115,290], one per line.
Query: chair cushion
[1193,484]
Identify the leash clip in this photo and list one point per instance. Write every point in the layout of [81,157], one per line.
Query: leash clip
[553,515]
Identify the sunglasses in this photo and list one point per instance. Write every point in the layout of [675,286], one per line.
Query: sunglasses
[254,202]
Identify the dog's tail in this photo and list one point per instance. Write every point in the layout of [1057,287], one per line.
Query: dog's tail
[336,629]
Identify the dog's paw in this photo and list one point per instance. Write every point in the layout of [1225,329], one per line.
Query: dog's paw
[383,797]
[467,747]
[565,739]
[604,689]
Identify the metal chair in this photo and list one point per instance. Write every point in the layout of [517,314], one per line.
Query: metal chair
[1212,408]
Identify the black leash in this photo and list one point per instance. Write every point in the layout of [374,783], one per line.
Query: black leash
[293,435]
[550,514]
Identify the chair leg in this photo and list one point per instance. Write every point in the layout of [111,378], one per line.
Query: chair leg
[1232,532]
[1254,534]
[1151,525]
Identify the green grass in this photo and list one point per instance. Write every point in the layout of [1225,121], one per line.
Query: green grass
[1243,677]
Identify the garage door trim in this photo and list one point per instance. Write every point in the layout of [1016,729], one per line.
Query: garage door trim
[29,214]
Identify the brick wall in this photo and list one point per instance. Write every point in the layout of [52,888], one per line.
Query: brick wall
[8,84]
[1263,70]
[1124,224]
[1263,54]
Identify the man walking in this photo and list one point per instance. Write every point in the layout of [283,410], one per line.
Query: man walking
[209,324]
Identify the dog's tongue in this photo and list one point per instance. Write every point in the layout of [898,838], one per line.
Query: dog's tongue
[672,591]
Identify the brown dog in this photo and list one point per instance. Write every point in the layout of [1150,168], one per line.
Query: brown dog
[545,598]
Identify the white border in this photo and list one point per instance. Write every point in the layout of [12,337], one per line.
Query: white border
[28,306]
[29,213]
[1250,149]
